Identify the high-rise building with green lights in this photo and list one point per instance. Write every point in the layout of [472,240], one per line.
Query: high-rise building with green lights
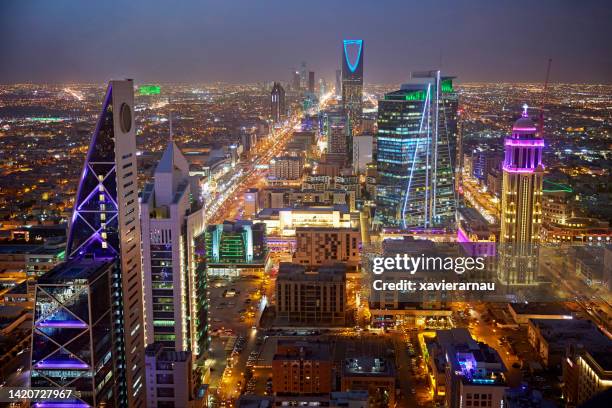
[415,154]
[236,247]
[175,283]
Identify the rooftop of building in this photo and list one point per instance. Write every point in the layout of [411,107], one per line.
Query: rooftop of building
[302,350]
[603,358]
[237,226]
[19,289]
[274,212]
[560,333]
[254,401]
[76,269]
[540,308]
[476,362]
[524,124]
[473,217]
[26,248]
[288,271]
[368,367]
[325,229]
[9,312]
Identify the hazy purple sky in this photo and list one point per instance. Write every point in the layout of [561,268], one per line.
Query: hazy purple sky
[256,40]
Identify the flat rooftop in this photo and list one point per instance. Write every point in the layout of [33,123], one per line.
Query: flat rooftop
[368,367]
[302,350]
[76,269]
[288,271]
[540,308]
[560,333]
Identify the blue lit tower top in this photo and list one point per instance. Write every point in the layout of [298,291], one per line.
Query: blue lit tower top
[352,61]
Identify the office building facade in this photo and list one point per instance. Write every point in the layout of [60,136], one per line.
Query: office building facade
[286,168]
[321,246]
[172,219]
[415,150]
[301,368]
[305,297]
[278,109]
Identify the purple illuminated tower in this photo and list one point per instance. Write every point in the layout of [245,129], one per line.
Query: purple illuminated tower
[521,211]
[88,331]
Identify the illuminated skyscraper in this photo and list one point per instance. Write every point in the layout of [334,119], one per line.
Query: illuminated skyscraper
[338,82]
[311,82]
[88,329]
[303,76]
[521,210]
[415,152]
[277,103]
[338,139]
[174,283]
[295,84]
[352,83]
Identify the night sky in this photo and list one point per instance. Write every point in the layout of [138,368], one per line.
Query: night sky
[261,40]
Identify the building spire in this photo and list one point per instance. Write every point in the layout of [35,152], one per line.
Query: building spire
[525,114]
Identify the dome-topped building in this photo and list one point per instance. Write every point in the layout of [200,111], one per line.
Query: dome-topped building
[521,214]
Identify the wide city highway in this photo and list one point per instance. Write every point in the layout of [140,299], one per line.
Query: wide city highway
[217,210]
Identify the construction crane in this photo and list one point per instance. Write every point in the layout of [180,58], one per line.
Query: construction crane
[544,95]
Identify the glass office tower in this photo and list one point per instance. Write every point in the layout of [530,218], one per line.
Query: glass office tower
[415,153]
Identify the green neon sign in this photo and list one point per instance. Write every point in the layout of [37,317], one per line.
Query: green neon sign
[149,90]
[447,85]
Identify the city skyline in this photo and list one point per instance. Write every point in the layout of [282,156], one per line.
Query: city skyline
[213,41]
[339,204]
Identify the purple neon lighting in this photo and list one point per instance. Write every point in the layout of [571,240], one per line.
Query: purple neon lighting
[72,404]
[461,236]
[92,144]
[61,364]
[519,170]
[525,143]
[524,129]
[64,324]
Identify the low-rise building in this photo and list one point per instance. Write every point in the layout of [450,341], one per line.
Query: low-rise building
[302,368]
[371,374]
[522,312]
[284,221]
[474,372]
[311,297]
[551,337]
[587,371]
